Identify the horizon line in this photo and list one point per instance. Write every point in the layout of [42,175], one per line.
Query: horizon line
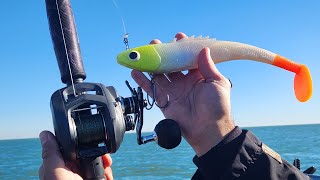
[132,132]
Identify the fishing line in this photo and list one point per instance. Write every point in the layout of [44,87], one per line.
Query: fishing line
[123,24]
[126,34]
[66,49]
[153,86]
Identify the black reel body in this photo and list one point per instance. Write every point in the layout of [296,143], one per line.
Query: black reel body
[89,124]
[93,121]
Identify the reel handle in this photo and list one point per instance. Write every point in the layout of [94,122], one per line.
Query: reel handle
[167,134]
[92,169]
[65,40]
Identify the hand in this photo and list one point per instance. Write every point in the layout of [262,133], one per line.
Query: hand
[53,165]
[199,101]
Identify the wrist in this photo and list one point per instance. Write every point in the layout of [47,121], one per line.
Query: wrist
[211,135]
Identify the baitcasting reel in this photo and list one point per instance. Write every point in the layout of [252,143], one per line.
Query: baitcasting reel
[90,119]
[93,121]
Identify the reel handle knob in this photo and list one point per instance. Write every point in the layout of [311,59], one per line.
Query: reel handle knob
[168,133]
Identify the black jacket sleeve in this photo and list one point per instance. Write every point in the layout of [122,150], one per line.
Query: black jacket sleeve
[241,155]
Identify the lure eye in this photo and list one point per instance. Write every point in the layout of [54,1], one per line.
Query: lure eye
[134,56]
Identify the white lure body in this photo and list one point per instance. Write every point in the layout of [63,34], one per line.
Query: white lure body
[183,54]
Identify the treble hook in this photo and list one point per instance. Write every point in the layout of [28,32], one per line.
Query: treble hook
[153,87]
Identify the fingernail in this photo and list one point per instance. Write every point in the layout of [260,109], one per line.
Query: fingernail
[43,138]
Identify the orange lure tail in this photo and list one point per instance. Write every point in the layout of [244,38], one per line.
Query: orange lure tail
[302,79]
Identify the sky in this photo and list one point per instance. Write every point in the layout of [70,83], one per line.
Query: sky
[261,94]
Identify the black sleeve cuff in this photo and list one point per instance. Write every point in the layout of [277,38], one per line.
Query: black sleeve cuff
[223,155]
[241,155]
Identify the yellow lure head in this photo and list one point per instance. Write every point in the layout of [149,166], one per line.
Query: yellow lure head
[143,58]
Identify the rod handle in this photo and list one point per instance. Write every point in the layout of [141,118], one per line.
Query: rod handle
[92,169]
[65,40]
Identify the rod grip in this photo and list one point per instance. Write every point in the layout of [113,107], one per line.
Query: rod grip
[65,40]
[92,169]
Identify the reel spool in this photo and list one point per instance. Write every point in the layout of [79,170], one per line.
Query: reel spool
[87,121]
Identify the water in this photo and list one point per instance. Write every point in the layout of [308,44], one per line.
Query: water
[20,159]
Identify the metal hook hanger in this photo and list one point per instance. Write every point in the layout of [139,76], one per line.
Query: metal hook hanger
[126,40]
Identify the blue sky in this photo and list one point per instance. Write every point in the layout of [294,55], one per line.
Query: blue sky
[261,94]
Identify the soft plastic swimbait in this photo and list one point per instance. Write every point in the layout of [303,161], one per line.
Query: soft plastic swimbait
[182,55]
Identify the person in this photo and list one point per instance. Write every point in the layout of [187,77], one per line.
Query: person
[200,104]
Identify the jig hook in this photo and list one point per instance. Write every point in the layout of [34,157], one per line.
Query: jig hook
[153,88]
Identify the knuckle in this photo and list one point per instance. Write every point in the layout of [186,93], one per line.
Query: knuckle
[45,153]
[49,152]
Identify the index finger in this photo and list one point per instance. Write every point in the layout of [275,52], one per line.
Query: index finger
[155,41]
[142,81]
[180,35]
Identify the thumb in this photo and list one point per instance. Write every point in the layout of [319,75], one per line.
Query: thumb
[51,155]
[207,67]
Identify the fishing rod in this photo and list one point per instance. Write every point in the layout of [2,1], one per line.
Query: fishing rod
[90,119]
